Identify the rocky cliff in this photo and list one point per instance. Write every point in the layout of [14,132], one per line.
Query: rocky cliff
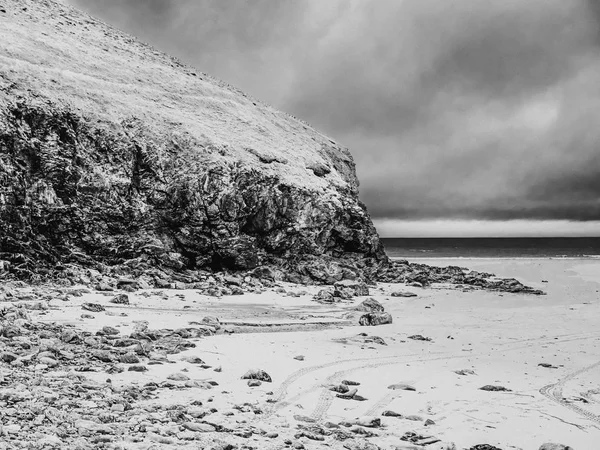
[113,154]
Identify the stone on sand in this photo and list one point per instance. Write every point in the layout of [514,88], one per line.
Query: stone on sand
[257,374]
[374,319]
[403,294]
[370,305]
[401,387]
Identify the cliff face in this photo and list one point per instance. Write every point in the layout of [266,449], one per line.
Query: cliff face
[112,153]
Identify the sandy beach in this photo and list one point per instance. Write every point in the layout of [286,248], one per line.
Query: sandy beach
[468,339]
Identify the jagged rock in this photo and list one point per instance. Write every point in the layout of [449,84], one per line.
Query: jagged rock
[373,319]
[419,275]
[370,305]
[162,181]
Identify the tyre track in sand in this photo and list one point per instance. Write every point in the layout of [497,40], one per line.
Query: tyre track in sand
[326,398]
[554,392]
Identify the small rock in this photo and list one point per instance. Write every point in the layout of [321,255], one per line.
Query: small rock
[550,446]
[111,331]
[129,358]
[257,375]
[121,299]
[137,369]
[419,337]
[484,447]
[254,383]
[401,387]
[492,388]
[299,358]
[199,427]
[374,319]
[178,376]
[389,413]
[370,305]
[93,307]
[403,294]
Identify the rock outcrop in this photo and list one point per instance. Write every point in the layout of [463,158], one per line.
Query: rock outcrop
[113,154]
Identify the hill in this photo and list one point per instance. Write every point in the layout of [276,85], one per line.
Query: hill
[113,154]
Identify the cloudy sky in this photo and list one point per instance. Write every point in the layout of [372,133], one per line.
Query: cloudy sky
[465,117]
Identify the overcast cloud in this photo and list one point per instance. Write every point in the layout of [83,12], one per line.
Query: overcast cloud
[463,109]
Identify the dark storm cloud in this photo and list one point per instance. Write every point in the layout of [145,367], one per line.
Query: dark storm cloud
[452,109]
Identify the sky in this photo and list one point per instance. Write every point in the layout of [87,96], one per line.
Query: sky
[464,117]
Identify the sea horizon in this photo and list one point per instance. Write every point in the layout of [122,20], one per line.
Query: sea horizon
[493,247]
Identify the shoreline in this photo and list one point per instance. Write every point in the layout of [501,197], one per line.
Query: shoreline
[445,343]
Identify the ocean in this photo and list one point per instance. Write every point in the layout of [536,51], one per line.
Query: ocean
[411,248]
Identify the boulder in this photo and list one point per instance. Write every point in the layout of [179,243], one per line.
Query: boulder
[370,305]
[373,319]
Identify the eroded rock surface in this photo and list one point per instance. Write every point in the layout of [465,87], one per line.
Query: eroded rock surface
[139,161]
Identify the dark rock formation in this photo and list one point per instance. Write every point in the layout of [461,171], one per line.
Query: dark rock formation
[115,155]
[402,271]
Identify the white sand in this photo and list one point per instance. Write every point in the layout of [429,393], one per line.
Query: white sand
[501,337]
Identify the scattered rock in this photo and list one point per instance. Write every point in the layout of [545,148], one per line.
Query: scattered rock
[374,319]
[370,305]
[464,372]
[550,446]
[401,387]
[356,288]
[324,296]
[418,337]
[403,294]
[492,388]
[129,358]
[93,307]
[121,299]
[257,375]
